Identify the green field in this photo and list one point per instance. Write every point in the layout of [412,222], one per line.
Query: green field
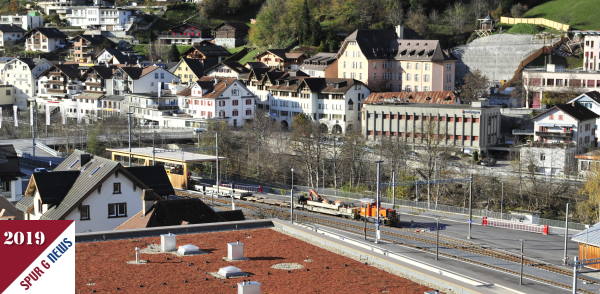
[580,14]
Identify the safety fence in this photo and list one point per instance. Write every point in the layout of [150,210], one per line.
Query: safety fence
[536,21]
[512,225]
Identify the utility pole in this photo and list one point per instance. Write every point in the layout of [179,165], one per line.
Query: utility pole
[292,198]
[129,134]
[217,155]
[502,200]
[393,189]
[377,231]
[437,238]
[470,206]
[565,259]
[521,274]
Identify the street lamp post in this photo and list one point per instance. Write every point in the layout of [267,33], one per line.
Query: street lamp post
[565,259]
[437,238]
[217,155]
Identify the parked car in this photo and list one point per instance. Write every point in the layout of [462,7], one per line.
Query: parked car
[487,162]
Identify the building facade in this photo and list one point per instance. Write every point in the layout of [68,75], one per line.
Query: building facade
[466,127]
[27,22]
[22,74]
[384,62]
[102,18]
[45,40]
[567,124]
[10,34]
[320,65]
[230,35]
[226,99]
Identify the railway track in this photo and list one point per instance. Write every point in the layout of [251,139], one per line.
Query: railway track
[399,236]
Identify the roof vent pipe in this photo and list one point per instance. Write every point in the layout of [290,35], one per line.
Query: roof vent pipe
[137,255]
[249,287]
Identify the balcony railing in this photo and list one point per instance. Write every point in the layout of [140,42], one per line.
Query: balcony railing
[561,135]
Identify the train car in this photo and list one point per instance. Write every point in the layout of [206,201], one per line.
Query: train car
[336,208]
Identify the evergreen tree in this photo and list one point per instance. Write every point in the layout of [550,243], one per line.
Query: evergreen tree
[305,32]
[174,53]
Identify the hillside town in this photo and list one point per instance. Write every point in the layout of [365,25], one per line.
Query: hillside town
[425,146]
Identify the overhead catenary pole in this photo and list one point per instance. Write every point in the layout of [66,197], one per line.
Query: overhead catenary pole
[32,121]
[575,261]
[129,134]
[217,155]
[393,189]
[377,231]
[565,258]
[437,238]
[470,206]
[502,200]
[292,198]
[521,272]
[153,147]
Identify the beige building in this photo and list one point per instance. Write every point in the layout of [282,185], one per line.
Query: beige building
[381,60]
[45,40]
[7,95]
[466,127]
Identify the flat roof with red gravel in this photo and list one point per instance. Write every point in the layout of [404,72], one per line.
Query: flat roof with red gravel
[102,267]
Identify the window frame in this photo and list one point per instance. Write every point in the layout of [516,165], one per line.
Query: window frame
[117,188]
[116,207]
[83,208]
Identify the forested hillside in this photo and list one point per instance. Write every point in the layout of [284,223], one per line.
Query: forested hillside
[322,22]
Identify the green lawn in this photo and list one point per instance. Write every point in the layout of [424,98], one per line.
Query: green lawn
[250,56]
[580,14]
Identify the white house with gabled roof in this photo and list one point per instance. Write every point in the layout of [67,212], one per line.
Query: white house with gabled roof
[591,101]
[225,98]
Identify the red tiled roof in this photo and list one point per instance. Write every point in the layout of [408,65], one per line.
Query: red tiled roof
[430,97]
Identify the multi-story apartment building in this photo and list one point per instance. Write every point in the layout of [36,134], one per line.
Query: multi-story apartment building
[45,40]
[320,65]
[10,34]
[87,47]
[98,79]
[30,21]
[150,109]
[22,74]
[570,123]
[102,18]
[334,103]
[466,127]
[382,61]
[62,81]
[226,99]
[557,79]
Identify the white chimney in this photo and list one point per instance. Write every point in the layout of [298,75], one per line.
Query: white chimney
[159,89]
[235,251]
[250,287]
[168,242]
[400,32]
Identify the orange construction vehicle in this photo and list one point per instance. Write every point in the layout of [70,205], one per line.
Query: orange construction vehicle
[368,209]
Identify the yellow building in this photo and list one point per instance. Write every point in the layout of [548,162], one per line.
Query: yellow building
[189,70]
[385,62]
[177,163]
